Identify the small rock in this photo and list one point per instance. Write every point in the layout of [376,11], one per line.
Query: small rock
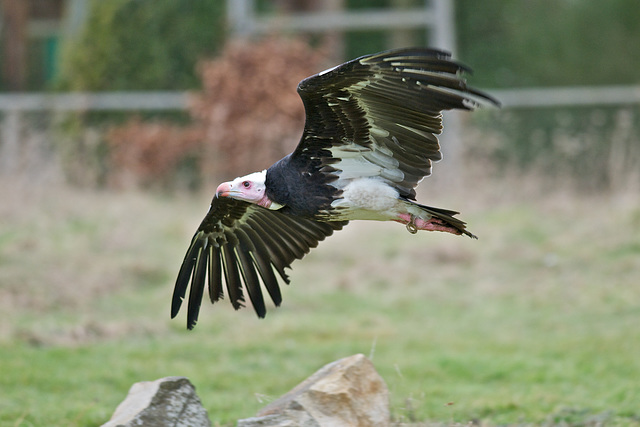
[170,401]
[347,392]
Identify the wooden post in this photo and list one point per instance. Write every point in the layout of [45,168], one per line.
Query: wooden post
[240,17]
[15,14]
[442,35]
[401,36]
[10,143]
[335,38]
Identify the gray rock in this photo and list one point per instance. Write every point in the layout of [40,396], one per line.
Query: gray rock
[347,392]
[170,401]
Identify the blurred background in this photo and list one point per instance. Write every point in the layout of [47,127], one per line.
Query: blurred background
[206,63]
[118,118]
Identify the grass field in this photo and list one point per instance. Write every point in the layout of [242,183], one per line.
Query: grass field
[535,323]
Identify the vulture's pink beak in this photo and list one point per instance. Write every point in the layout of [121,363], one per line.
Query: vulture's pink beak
[223,190]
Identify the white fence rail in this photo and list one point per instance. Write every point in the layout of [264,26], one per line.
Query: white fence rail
[13,106]
[344,20]
[83,101]
[178,100]
[436,17]
[582,96]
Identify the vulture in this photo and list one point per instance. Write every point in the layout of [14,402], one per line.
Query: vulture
[369,138]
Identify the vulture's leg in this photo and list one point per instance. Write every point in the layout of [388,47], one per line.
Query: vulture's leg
[414,224]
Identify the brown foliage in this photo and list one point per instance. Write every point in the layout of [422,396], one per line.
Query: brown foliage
[247,116]
[147,153]
[250,110]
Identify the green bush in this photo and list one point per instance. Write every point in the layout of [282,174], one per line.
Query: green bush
[549,42]
[142,45]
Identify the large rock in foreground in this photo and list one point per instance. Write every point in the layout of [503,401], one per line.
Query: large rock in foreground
[170,401]
[347,392]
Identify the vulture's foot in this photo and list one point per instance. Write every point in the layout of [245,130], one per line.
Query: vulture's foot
[414,224]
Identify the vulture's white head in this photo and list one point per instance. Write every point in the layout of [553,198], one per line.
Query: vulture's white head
[249,188]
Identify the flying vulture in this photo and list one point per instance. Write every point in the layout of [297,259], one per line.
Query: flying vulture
[368,140]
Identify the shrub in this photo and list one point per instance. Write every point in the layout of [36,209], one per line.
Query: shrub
[142,45]
[151,154]
[247,116]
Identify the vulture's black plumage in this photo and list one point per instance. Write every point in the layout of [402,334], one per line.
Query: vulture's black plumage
[368,139]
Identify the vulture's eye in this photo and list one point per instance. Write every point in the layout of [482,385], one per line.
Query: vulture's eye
[246,184]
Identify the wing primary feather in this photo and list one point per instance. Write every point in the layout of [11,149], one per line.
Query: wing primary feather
[297,234]
[290,238]
[279,253]
[259,252]
[184,275]
[197,286]
[277,239]
[250,277]
[231,275]
[215,274]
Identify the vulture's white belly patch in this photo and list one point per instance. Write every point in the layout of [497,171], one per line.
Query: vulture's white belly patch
[368,198]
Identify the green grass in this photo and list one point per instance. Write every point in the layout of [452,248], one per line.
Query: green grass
[535,323]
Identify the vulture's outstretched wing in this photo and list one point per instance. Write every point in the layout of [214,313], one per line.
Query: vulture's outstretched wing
[378,115]
[243,243]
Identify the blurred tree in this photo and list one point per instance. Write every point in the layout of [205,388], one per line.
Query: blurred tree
[246,116]
[550,42]
[554,43]
[14,15]
[154,44]
[362,42]
[142,45]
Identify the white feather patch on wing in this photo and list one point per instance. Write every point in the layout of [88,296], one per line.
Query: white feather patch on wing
[348,150]
[357,161]
[381,159]
[352,168]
